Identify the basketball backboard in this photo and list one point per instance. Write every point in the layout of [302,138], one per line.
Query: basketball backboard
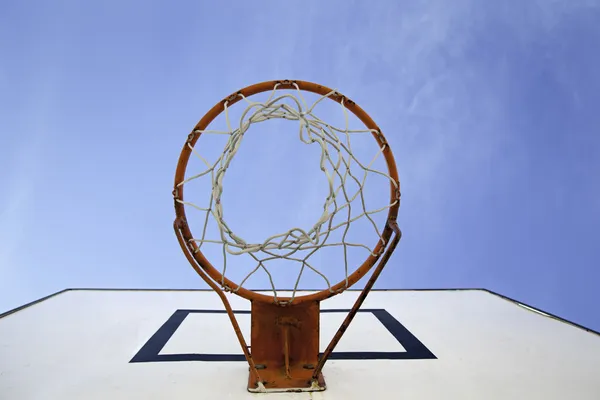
[177,344]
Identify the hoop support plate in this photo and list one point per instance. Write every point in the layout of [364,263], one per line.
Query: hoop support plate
[285,347]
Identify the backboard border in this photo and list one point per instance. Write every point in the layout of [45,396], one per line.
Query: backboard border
[516,302]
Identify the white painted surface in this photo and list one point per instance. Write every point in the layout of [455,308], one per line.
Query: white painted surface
[77,345]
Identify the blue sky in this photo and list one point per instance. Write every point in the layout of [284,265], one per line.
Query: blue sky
[491,109]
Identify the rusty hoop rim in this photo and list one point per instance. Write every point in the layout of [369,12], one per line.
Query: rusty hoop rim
[181,221]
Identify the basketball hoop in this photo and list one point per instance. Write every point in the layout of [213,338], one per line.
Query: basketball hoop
[284,353]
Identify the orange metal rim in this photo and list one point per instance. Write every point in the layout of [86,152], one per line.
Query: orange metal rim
[205,264]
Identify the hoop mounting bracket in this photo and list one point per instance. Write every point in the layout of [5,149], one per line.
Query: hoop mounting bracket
[285,344]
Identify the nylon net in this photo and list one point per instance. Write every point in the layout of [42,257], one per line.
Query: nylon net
[337,162]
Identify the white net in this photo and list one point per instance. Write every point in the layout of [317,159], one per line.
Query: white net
[345,191]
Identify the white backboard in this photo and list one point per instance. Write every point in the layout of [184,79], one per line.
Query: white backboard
[144,344]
